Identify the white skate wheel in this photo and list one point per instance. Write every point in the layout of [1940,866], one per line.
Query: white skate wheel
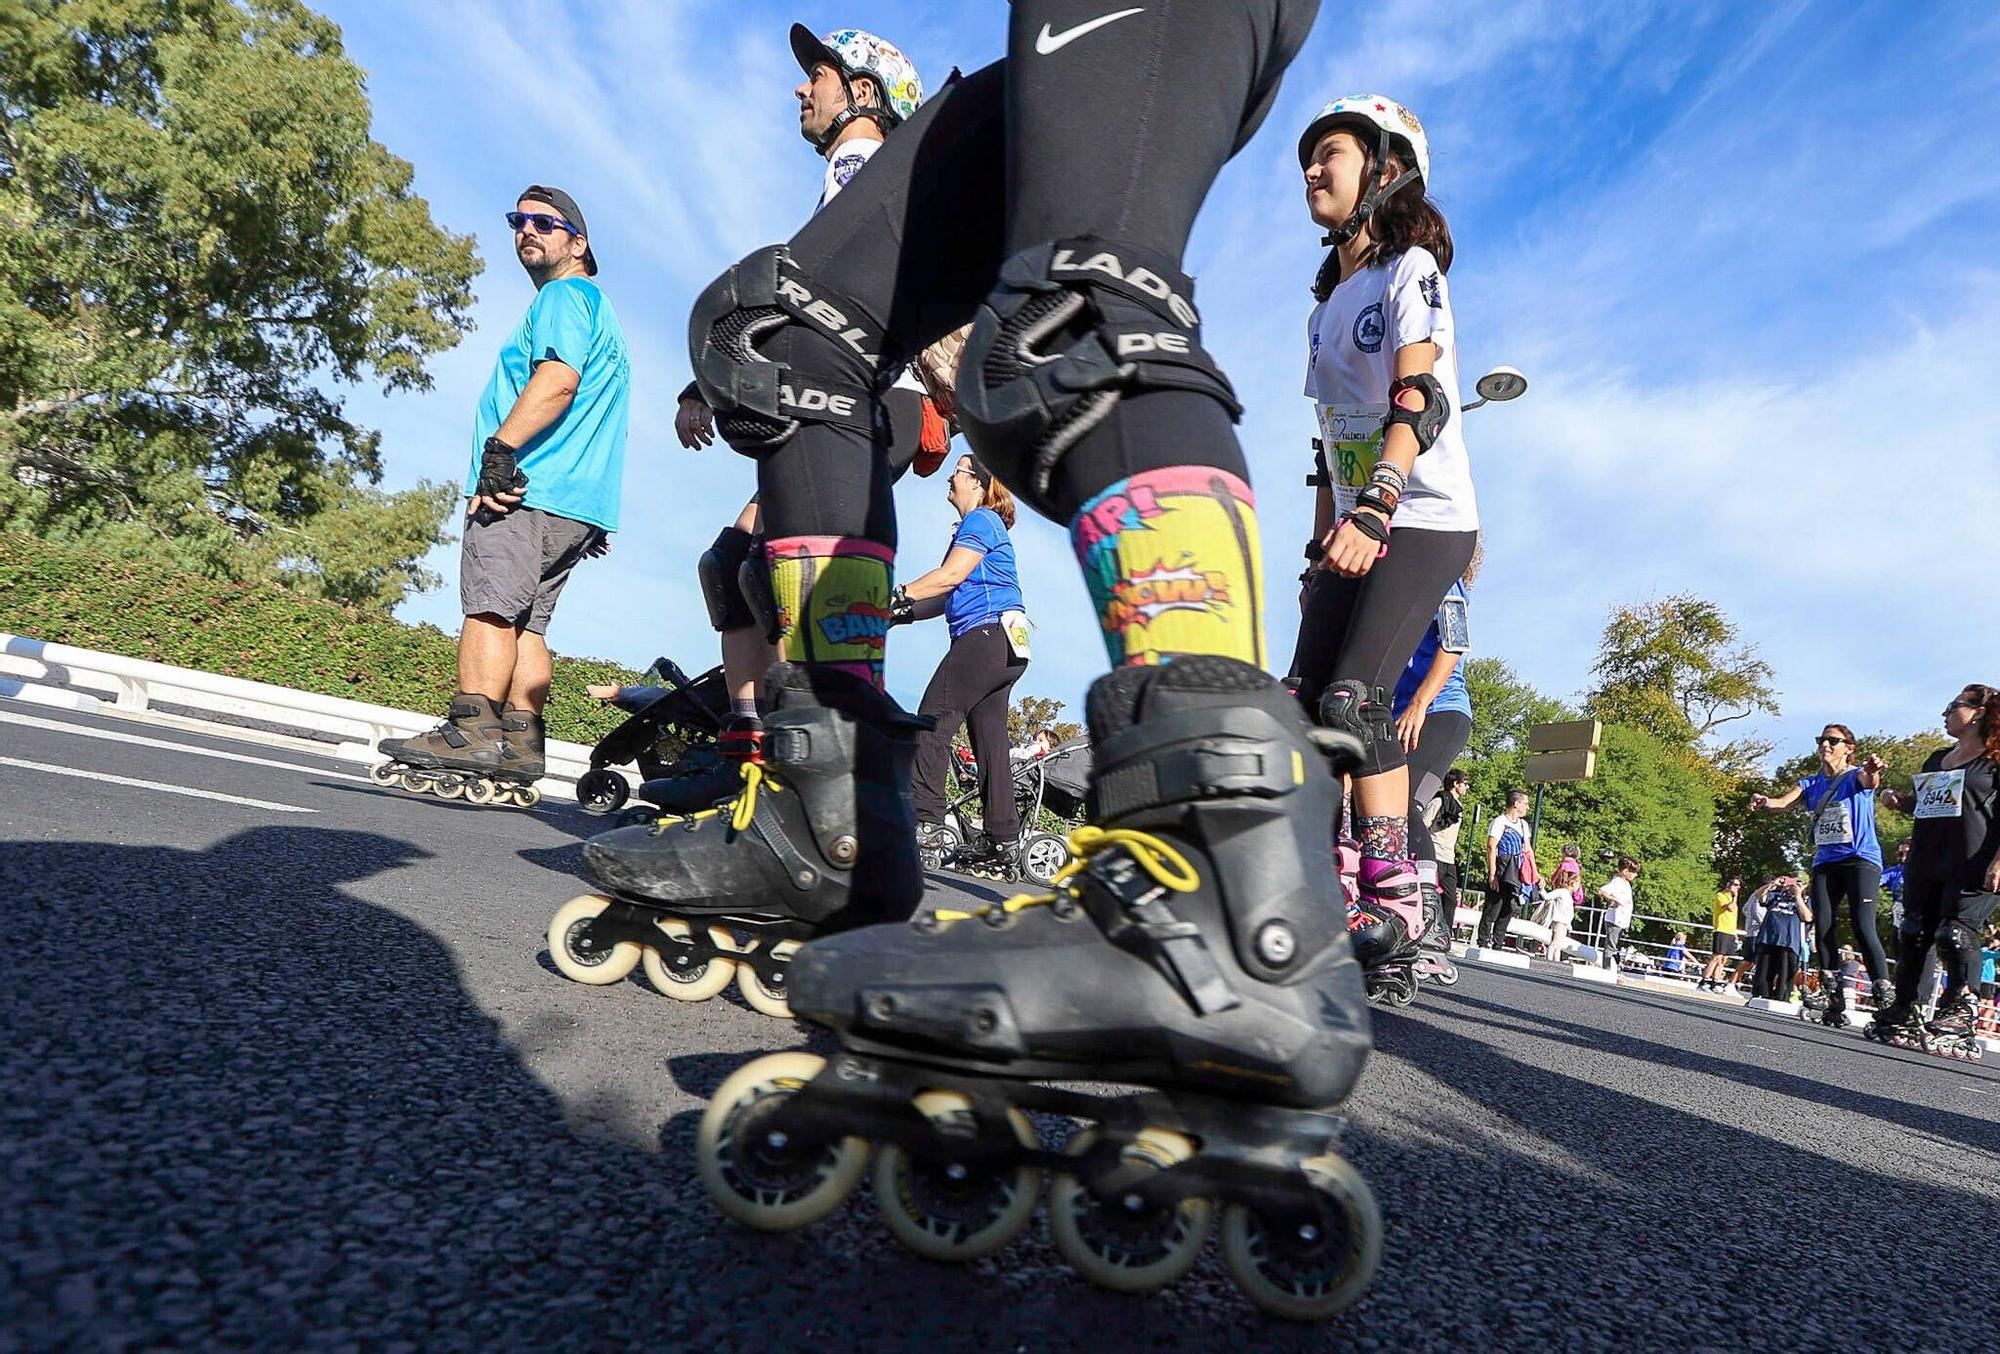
[673,972]
[761,1176]
[479,790]
[771,1001]
[595,967]
[952,1209]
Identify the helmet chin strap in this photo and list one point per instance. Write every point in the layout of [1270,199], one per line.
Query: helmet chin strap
[1374,197]
[848,114]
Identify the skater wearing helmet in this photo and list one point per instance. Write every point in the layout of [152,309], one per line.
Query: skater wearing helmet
[1395,521]
[1952,878]
[1847,858]
[1197,944]
[857,89]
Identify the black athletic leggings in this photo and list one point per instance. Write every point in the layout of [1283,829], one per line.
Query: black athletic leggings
[1929,905]
[973,687]
[1777,969]
[1443,737]
[1118,134]
[1366,628]
[1853,881]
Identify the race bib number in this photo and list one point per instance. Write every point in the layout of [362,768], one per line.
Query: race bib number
[1015,623]
[1833,827]
[1351,435]
[1940,794]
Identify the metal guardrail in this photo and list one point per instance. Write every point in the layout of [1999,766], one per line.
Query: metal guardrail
[136,685]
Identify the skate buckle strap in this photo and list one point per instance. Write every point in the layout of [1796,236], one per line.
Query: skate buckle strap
[1237,758]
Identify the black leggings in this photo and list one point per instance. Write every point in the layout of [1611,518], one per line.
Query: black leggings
[1118,134]
[1365,629]
[1929,907]
[1443,738]
[1777,968]
[1853,881]
[972,687]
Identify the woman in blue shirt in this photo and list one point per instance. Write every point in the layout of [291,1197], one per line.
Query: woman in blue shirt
[1847,858]
[1433,714]
[978,590]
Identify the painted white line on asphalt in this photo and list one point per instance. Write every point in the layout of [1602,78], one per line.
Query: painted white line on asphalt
[153,785]
[140,740]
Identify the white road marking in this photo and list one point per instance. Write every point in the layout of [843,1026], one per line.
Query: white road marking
[153,785]
[140,740]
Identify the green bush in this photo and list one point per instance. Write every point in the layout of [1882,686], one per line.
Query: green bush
[141,608]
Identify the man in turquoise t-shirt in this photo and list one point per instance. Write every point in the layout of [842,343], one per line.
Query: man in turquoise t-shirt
[542,493]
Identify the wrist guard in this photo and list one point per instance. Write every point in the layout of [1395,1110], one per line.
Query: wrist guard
[1374,528]
[901,609]
[497,472]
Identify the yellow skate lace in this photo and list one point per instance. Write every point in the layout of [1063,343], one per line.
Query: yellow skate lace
[1167,866]
[741,809]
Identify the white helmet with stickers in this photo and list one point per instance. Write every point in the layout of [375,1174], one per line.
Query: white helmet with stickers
[1392,127]
[852,52]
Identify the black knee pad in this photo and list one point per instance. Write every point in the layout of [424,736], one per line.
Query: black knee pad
[1954,939]
[1071,327]
[721,589]
[753,580]
[759,402]
[1353,707]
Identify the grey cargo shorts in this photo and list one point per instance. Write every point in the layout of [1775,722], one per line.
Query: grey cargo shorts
[513,565]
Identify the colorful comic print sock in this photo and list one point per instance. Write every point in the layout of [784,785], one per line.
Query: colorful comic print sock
[1171,560]
[832,594]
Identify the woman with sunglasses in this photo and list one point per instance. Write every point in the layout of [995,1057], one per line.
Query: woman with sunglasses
[1847,858]
[1952,879]
[978,591]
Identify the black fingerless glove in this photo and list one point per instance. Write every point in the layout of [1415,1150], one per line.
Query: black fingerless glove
[497,472]
[901,609]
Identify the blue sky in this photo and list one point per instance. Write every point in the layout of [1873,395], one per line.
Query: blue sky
[1746,254]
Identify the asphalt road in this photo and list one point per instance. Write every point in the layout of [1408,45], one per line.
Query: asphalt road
[278,1078]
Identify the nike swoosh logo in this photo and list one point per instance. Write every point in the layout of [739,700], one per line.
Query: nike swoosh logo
[1047,42]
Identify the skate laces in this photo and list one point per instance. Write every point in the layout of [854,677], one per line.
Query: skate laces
[741,809]
[1156,856]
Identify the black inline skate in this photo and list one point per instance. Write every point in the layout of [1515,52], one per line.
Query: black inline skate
[1898,1025]
[478,753]
[1955,1032]
[818,836]
[1200,950]
[1434,963]
[1834,1013]
[988,859]
[706,776]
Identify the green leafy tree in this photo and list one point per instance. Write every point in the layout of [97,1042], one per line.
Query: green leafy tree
[198,240]
[1678,669]
[1030,713]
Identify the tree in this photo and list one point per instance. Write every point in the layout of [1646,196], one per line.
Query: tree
[1677,669]
[198,239]
[1030,713]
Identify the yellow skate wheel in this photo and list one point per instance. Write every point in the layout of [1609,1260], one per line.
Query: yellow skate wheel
[1117,1241]
[448,787]
[384,773]
[527,796]
[676,973]
[771,1001]
[597,965]
[1311,1267]
[762,1176]
[414,783]
[946,1207]
[479,790]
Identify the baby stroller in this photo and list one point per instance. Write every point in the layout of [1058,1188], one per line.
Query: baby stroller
[686,716]
[1056,782]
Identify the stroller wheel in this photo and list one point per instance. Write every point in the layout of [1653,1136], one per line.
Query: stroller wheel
[1042,855]
[601,790]
[936,846]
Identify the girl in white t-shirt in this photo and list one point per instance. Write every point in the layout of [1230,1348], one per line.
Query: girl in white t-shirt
[1383,374]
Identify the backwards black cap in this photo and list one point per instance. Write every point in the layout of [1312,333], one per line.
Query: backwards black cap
[564,203]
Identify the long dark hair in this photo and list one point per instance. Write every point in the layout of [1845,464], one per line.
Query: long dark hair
[1989,715]
[1403,220]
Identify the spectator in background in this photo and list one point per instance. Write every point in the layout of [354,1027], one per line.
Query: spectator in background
[1722,944]
[1443,816]
[1753,921]
[1781,938]
[1562,896]
[1892,883]
[1676,958]
[1506,842]
[1616,894]
[1041,745]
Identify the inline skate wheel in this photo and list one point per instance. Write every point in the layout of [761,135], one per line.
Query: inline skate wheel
[479,790]
[413,782]
[771,1001]
[384,773]
[593,965]
[527,796]
[762,1176]
[448,787]
[1114,1238]
[1448,974]
[950,1207]
[1403,990]
[1312,1267]
[675,971]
